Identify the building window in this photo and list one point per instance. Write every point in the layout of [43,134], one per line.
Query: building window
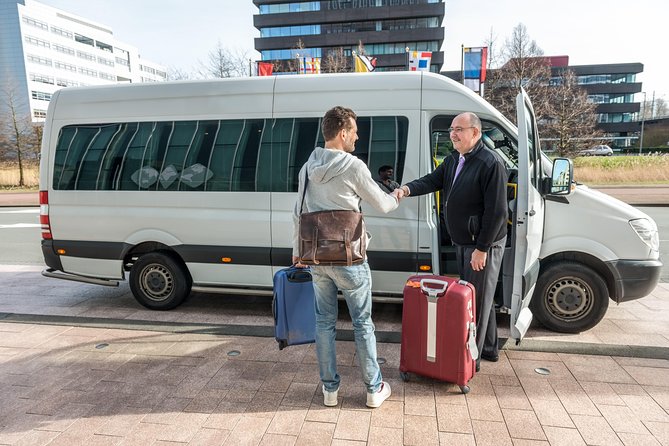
[63,49]
[39,60]
[86,56]
[290,7]
[67,83]
[36,23]
[147,69]
[88,72]
[103,61]
[104,47]
[65,66]
[44,79]
[122,61]
[40,95]
[290,54]
[61,32]
[37,42]
[107,76]
[83,39]
[40,114]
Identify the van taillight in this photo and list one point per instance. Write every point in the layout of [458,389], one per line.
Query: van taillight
[44,214]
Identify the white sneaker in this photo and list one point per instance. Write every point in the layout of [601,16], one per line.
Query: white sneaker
[330,398]
[377,398]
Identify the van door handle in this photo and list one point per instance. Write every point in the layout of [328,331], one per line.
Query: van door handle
[532,212]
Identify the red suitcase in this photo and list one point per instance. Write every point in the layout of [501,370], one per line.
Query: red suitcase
[439,329]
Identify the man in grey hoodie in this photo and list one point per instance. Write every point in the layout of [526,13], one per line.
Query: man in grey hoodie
[339,181]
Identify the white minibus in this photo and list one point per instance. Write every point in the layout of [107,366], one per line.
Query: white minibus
[190,186]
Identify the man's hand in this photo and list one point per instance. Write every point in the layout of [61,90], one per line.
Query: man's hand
[297,264]
[478,260]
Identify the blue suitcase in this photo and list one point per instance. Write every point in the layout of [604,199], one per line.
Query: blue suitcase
[293,307]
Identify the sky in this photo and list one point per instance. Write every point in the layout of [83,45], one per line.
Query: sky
[180,34]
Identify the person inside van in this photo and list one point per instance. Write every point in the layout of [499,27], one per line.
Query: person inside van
[338,180]
[386,181]
[473,184]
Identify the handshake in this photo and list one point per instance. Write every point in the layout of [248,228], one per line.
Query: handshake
[400,192]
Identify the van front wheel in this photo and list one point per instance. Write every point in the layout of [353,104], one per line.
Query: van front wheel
[159,282]
[570,297]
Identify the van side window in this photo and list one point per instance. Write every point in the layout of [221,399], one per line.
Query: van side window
[210,155]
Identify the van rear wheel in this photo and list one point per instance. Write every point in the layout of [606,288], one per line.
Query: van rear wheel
[570,297]
[159,282]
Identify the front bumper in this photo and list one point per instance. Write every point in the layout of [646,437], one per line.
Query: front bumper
[634,279]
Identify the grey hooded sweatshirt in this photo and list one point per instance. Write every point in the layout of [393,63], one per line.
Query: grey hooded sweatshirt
[337,181]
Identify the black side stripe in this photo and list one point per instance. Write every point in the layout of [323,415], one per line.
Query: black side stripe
[238,255]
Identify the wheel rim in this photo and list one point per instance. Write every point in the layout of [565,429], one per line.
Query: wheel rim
[569,298]
[157,282]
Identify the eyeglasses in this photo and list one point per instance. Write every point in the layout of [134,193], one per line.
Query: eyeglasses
[457,129]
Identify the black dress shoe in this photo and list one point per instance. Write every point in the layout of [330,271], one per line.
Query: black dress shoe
[491,358]
[478,367]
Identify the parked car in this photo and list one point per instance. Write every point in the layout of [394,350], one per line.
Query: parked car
[600,150]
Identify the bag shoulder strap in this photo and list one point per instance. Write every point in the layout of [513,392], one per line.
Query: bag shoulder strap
[304,191]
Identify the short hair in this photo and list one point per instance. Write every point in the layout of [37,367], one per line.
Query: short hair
[385,168]
[474,120]
[336,119]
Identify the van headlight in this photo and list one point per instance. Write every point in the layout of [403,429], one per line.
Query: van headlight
[647,231]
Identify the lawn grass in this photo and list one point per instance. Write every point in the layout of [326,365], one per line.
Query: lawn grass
[9,177]
[622,170]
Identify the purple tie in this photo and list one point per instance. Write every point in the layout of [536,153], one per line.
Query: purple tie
[461,162]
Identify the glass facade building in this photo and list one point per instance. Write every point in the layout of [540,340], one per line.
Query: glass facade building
[43,49]
[386,28]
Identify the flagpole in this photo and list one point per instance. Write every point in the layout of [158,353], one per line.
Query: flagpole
[462,62]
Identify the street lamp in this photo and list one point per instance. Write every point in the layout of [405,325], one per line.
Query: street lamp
[643,120]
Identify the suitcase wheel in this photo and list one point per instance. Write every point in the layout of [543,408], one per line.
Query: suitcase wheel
[404,376]
[282,344]
[464,389]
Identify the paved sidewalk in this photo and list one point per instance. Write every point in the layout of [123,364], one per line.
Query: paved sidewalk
[64,385]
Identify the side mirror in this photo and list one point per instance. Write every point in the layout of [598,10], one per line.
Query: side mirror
[561,179]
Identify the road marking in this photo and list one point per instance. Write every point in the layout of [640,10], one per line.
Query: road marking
[22,211]
[21,225]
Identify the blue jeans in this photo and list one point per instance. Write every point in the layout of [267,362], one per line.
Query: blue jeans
[355,283]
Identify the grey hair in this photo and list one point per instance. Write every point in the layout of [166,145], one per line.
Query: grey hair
[474,120]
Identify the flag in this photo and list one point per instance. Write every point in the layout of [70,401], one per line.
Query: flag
[265,68]
[364,64]
[475,61]
[310,65]
[419,60]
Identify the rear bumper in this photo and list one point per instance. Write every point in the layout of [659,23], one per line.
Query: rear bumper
[51,259]
[634,279]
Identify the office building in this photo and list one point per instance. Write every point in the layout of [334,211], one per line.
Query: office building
[43,49]
[611,87]
[386,28]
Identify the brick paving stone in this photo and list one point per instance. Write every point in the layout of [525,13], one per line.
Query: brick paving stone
[453,439]
[622,419]
[454,418]
[320,413]
[385,436]
[652,376]
[510,397]
[524,442]
[277,440]
[484,407]
[659,430]
[419,399]
[389,415]
[601,393]
[491,433]
[573,397]
[287,421]
[605,369]
[595,430]
[420,431]
[645,408]
[352,425]
[248,431]
[660,395]
[538,389]
[313,433]
[560,436]
[638,440]
[523,424]
[551,413]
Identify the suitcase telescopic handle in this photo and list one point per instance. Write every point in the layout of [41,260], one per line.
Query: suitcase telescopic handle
[433,292]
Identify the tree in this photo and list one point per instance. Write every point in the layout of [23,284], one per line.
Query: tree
[571,120]
[222,62]
[178,74]
[21,141]
[525,67]
[336,62]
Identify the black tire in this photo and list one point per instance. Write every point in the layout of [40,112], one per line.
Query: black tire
[464,389]
[404,376]
[159,281]
[570,297]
